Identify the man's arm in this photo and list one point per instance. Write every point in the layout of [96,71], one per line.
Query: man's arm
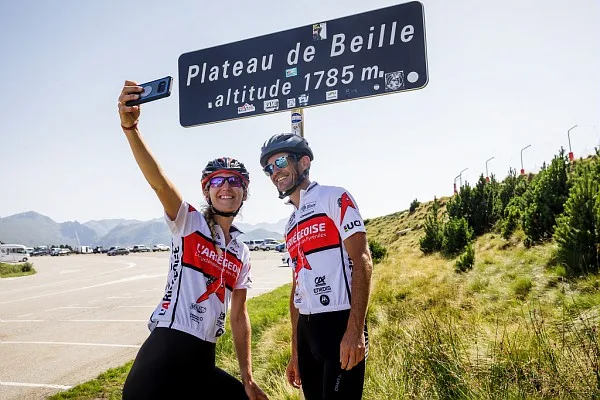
[352,348]
[241,331]
[293,372]
[165,190]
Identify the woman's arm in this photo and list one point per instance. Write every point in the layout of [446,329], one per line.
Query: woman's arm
[164,188]
[242,332]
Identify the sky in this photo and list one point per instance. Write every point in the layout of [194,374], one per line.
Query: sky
[502,75]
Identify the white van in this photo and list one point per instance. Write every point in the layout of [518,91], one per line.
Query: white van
[13,253]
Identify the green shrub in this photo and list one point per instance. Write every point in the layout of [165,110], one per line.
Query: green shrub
[578,228]
[432,240]
[521,287]
[545,199]
[413,206]
[378,252]
[466,259]
[510,221]
[456,235]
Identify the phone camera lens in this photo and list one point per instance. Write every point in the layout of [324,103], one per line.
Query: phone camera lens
[162,86]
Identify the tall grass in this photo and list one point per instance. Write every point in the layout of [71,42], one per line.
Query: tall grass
[512,327]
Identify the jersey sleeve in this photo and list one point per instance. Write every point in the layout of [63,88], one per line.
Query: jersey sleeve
[244,280]
[187,221]
[345,214]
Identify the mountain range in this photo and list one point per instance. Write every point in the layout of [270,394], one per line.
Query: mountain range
[34,229]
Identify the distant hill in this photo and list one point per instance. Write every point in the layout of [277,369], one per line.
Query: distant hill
[278,226]
[102,227]
[34,229]
[259,234]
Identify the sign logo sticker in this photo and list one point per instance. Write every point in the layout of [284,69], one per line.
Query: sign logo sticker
[291,72]
[319,31]
[246,108]
[271,105]
[394,80]
[331,95]
[303,99]
[291,103]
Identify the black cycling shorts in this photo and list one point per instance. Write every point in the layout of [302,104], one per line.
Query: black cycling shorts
[176,365]
[319,338]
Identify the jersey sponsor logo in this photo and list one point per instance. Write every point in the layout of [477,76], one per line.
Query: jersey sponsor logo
[221,270]
[352,225]
[344,202]
[308,206]
[315,233]
[198,308]
[324,299]
[321,286]
[166,301]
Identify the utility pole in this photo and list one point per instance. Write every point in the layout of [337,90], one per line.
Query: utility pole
[571,156]
[523,169]
[487,176]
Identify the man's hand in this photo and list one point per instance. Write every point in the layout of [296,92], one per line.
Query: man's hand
[129,114]
[352,348]
[254,392]
[292,373]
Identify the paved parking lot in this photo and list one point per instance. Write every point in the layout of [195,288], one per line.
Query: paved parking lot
[83,314]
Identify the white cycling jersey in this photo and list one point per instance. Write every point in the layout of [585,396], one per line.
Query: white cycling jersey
[200,281]
[315,234]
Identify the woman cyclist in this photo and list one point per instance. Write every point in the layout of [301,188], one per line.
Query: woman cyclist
[208,268]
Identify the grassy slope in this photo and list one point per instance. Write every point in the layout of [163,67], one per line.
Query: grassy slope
[511,327]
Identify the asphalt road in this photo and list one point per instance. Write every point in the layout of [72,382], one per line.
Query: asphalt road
[83,314]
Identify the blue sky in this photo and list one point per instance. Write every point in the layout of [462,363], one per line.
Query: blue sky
[502,75]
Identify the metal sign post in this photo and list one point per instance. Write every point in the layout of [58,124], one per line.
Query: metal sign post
[298,121]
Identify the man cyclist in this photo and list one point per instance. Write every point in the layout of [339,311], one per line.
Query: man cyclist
[332,266]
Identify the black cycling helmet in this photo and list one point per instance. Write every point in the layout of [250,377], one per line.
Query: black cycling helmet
[227,164]
[284,142]
[290,143]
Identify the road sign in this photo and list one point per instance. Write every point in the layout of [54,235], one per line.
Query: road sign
[369,54]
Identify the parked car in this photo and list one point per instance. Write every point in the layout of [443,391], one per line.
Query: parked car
[280,247]
[116,250]
[285,259]
[160,247]
[60,252]
[253,244]
[140,248]
[41,252]
[268,244]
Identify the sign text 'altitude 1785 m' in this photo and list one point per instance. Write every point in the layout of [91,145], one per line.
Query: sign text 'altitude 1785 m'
[369,54]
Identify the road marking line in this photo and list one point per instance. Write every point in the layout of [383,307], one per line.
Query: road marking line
[69,308]
[124,280]
[22,320]
[25,315]
[73,320]
[136,346]
[120,297]
[41,385]
[103,320]
[154,306]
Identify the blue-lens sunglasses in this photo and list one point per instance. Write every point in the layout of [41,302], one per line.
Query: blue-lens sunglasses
[280,163]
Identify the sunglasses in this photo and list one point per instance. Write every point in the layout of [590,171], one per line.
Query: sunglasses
[280,163]
[234,181]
